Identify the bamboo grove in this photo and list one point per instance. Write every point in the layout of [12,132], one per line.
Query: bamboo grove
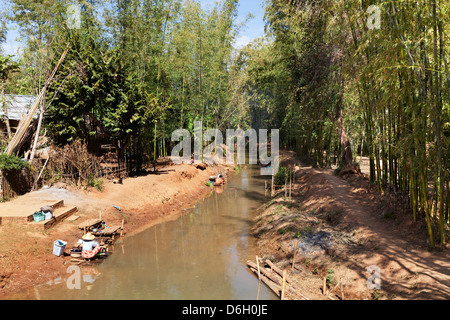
[335,86]
[136,70]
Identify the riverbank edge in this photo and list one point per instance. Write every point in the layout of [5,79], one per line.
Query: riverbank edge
[367,228]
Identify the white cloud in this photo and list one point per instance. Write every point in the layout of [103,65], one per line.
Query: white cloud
[241,42]
[11,47]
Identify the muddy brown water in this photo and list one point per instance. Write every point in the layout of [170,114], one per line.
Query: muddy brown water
[200,256]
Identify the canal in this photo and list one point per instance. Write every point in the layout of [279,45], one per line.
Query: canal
[200,256]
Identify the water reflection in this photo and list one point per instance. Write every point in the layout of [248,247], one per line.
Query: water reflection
[200,256]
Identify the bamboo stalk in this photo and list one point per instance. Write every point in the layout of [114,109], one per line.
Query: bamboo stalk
[273,186]
[274,282]
[259,272]
[40,173]
[285,188]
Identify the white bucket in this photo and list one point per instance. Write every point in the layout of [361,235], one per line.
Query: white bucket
[58,247]
[48,215]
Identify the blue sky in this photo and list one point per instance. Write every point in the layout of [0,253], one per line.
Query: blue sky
[253,29]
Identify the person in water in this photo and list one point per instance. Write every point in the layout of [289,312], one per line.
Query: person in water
[90,248]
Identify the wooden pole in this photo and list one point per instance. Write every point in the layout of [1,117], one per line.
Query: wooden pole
[283,286]
[40,173]
[290,184]
[274,281]
[285,188]
[38,129]
[257,263]
[259,290]
[273,190]
[259,278]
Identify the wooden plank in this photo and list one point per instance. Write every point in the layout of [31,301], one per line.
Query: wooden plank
[57,204]
[107,231]
[59,216]
[90,223]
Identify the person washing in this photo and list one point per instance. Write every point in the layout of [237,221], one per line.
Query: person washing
[90,248]
[219,181]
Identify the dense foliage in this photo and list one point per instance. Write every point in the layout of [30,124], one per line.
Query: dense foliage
[133,67]
[335,86]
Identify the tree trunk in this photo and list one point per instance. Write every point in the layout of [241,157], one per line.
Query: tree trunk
[346,148]
[5,111]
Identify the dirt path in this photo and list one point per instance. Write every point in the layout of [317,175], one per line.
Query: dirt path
[375,235]
[406,267]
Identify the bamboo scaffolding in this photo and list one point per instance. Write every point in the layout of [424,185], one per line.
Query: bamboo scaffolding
[26,121]
[274,279]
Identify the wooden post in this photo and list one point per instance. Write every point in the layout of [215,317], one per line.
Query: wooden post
[259,290]
[283,286]
[285,188]
[257,263]
[290,184]
[273,188]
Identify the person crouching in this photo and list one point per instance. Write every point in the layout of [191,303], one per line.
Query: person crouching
[90,248]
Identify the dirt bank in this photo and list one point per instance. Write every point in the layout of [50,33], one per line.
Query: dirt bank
[340,228]
[26,257]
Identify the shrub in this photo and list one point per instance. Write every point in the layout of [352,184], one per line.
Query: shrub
[280,176]
[12,163]
[97,184]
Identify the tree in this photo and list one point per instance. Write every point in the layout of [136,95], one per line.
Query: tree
[385,91]
[7,67]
